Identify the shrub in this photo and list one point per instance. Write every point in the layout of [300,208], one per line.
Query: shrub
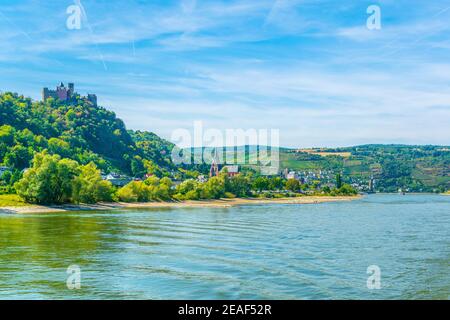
[89,187]
[230,195]
[135,191]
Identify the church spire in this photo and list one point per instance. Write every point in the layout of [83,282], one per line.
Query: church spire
[214,170]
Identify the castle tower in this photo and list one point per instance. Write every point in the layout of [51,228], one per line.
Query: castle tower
[61,92]
[45,94]
[71,89]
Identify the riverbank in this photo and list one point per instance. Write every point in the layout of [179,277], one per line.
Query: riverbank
[220,203]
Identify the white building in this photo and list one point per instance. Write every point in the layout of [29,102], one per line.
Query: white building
[292,175]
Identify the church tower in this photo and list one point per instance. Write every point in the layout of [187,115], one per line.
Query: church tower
[214,170]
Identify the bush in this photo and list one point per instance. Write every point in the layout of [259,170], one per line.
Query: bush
[89,186]
[135,191]
[345,190]
[127,195]
[293,185]
[192,195]
[179,197]
[229,195]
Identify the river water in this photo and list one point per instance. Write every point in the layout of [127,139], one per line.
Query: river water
[316,251]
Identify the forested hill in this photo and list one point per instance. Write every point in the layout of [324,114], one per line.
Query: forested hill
[79,131]
[413,168]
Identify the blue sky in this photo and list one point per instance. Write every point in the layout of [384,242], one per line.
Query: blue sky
[311,69]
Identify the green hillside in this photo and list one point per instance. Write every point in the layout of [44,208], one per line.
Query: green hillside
[76,130]
[416,168]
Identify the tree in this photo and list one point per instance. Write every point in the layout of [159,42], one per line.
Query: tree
[186,186]
[293,185]
[276,183]
[152,168]
[58,146]
[152,181]
[161,192]
[7,135]
[240,186]
[49,181]
[338,181]
[18,157]
[346,190]
[166,182]
[88,186]
[214,188]
[135,191]
[137,167]
[261,183]
[6,177]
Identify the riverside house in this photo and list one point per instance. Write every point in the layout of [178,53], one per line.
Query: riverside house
[117,179]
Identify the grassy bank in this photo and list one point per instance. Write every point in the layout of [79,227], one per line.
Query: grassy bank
[11,200]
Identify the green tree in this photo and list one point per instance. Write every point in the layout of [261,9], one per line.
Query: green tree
[166,182]
[261,183]
[161,192]
[152,168]
[18,157]
[214,188]
[137,167]
[276,183]
[152,181]
[347,190]
[7,135]
[293,185]
[186,186]
[338,181]
[240,186]
[88,186]
[49,181]
[58,146]
[135,191]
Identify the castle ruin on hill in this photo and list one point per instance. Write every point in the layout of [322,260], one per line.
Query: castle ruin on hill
[66,94]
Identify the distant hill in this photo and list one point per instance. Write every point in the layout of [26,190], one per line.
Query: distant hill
[417,168]
[77,130]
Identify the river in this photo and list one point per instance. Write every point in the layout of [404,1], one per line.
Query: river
[279,251]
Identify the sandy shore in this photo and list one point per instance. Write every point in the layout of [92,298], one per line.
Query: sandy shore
[222,203]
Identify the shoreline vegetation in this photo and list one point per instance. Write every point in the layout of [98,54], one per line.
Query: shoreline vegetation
[61,184]
[213,203]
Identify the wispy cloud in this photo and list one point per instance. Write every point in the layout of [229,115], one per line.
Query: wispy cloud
[310,68]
